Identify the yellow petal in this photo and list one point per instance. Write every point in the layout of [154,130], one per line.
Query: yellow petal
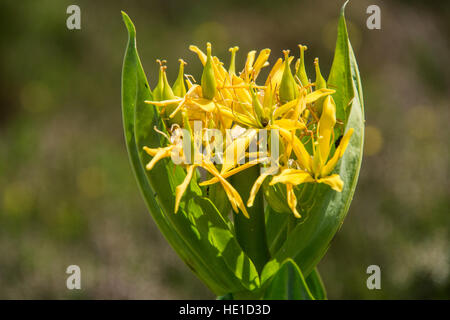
[325,128]
[257,185]
[157,154]
[164,102]
[334,181]
[232,194]
[180,189]
[338,153]
[235,150]
[248,65]
[317,94]
[284,108]
[292,200]
[260,62]
[200,53]
[222,72]
[204,104]
[300,151]
[236,116]
[231,172]
[292,176]
[289,124]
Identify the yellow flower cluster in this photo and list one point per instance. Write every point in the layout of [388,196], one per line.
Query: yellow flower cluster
[302,113]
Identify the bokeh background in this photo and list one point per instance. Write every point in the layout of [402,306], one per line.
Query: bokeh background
[67,192]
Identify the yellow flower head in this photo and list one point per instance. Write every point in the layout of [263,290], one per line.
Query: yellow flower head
[302,113]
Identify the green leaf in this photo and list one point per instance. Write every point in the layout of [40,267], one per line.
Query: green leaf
[251,232]
[288,284]
[132,70]
[198,232]
[276,228]
[315,284]
[309,240]
[227,296]
[340,78]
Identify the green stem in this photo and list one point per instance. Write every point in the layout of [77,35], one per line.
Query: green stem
[251,232]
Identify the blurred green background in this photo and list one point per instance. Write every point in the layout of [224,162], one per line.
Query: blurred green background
[67,192]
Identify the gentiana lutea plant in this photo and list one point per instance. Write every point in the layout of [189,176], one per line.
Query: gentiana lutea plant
[248,179]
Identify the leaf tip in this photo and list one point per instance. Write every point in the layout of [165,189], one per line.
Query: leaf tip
[128,23]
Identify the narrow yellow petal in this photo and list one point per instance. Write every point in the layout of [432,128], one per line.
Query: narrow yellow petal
[231,172]
[180,189]
[157,154]
[289,124]
[235,151]
[292,200]
[164,102]
[338,153]
[317,94]
[300,151]
[334,181]
[248,66]
[284,108]
[293,176]
[260,62]
[200,53]
[325,128]
[204,104]
[232,194]
[257,185]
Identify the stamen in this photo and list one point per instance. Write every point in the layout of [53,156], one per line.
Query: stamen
[190,77]
[162,133]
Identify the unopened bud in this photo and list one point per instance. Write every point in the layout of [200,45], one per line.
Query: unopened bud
[179,89]
[301,71]
[319,84]
[288,89]
[258,109]
[208,80]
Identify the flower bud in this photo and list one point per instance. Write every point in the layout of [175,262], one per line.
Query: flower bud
[158,91]
[208,80]
[258,109]
[268,104]
[319,84]
[179,89]
[288,88]
[167,94]
[301,71]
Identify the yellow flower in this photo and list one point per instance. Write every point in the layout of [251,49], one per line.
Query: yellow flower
[231,101]
[318,167]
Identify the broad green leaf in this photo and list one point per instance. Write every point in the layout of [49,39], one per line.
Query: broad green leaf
[309,240]
[288,284]
[198,232]
[340,79]
[132,74]
[315,285]
[276,228]
[227,296]
[251,232]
